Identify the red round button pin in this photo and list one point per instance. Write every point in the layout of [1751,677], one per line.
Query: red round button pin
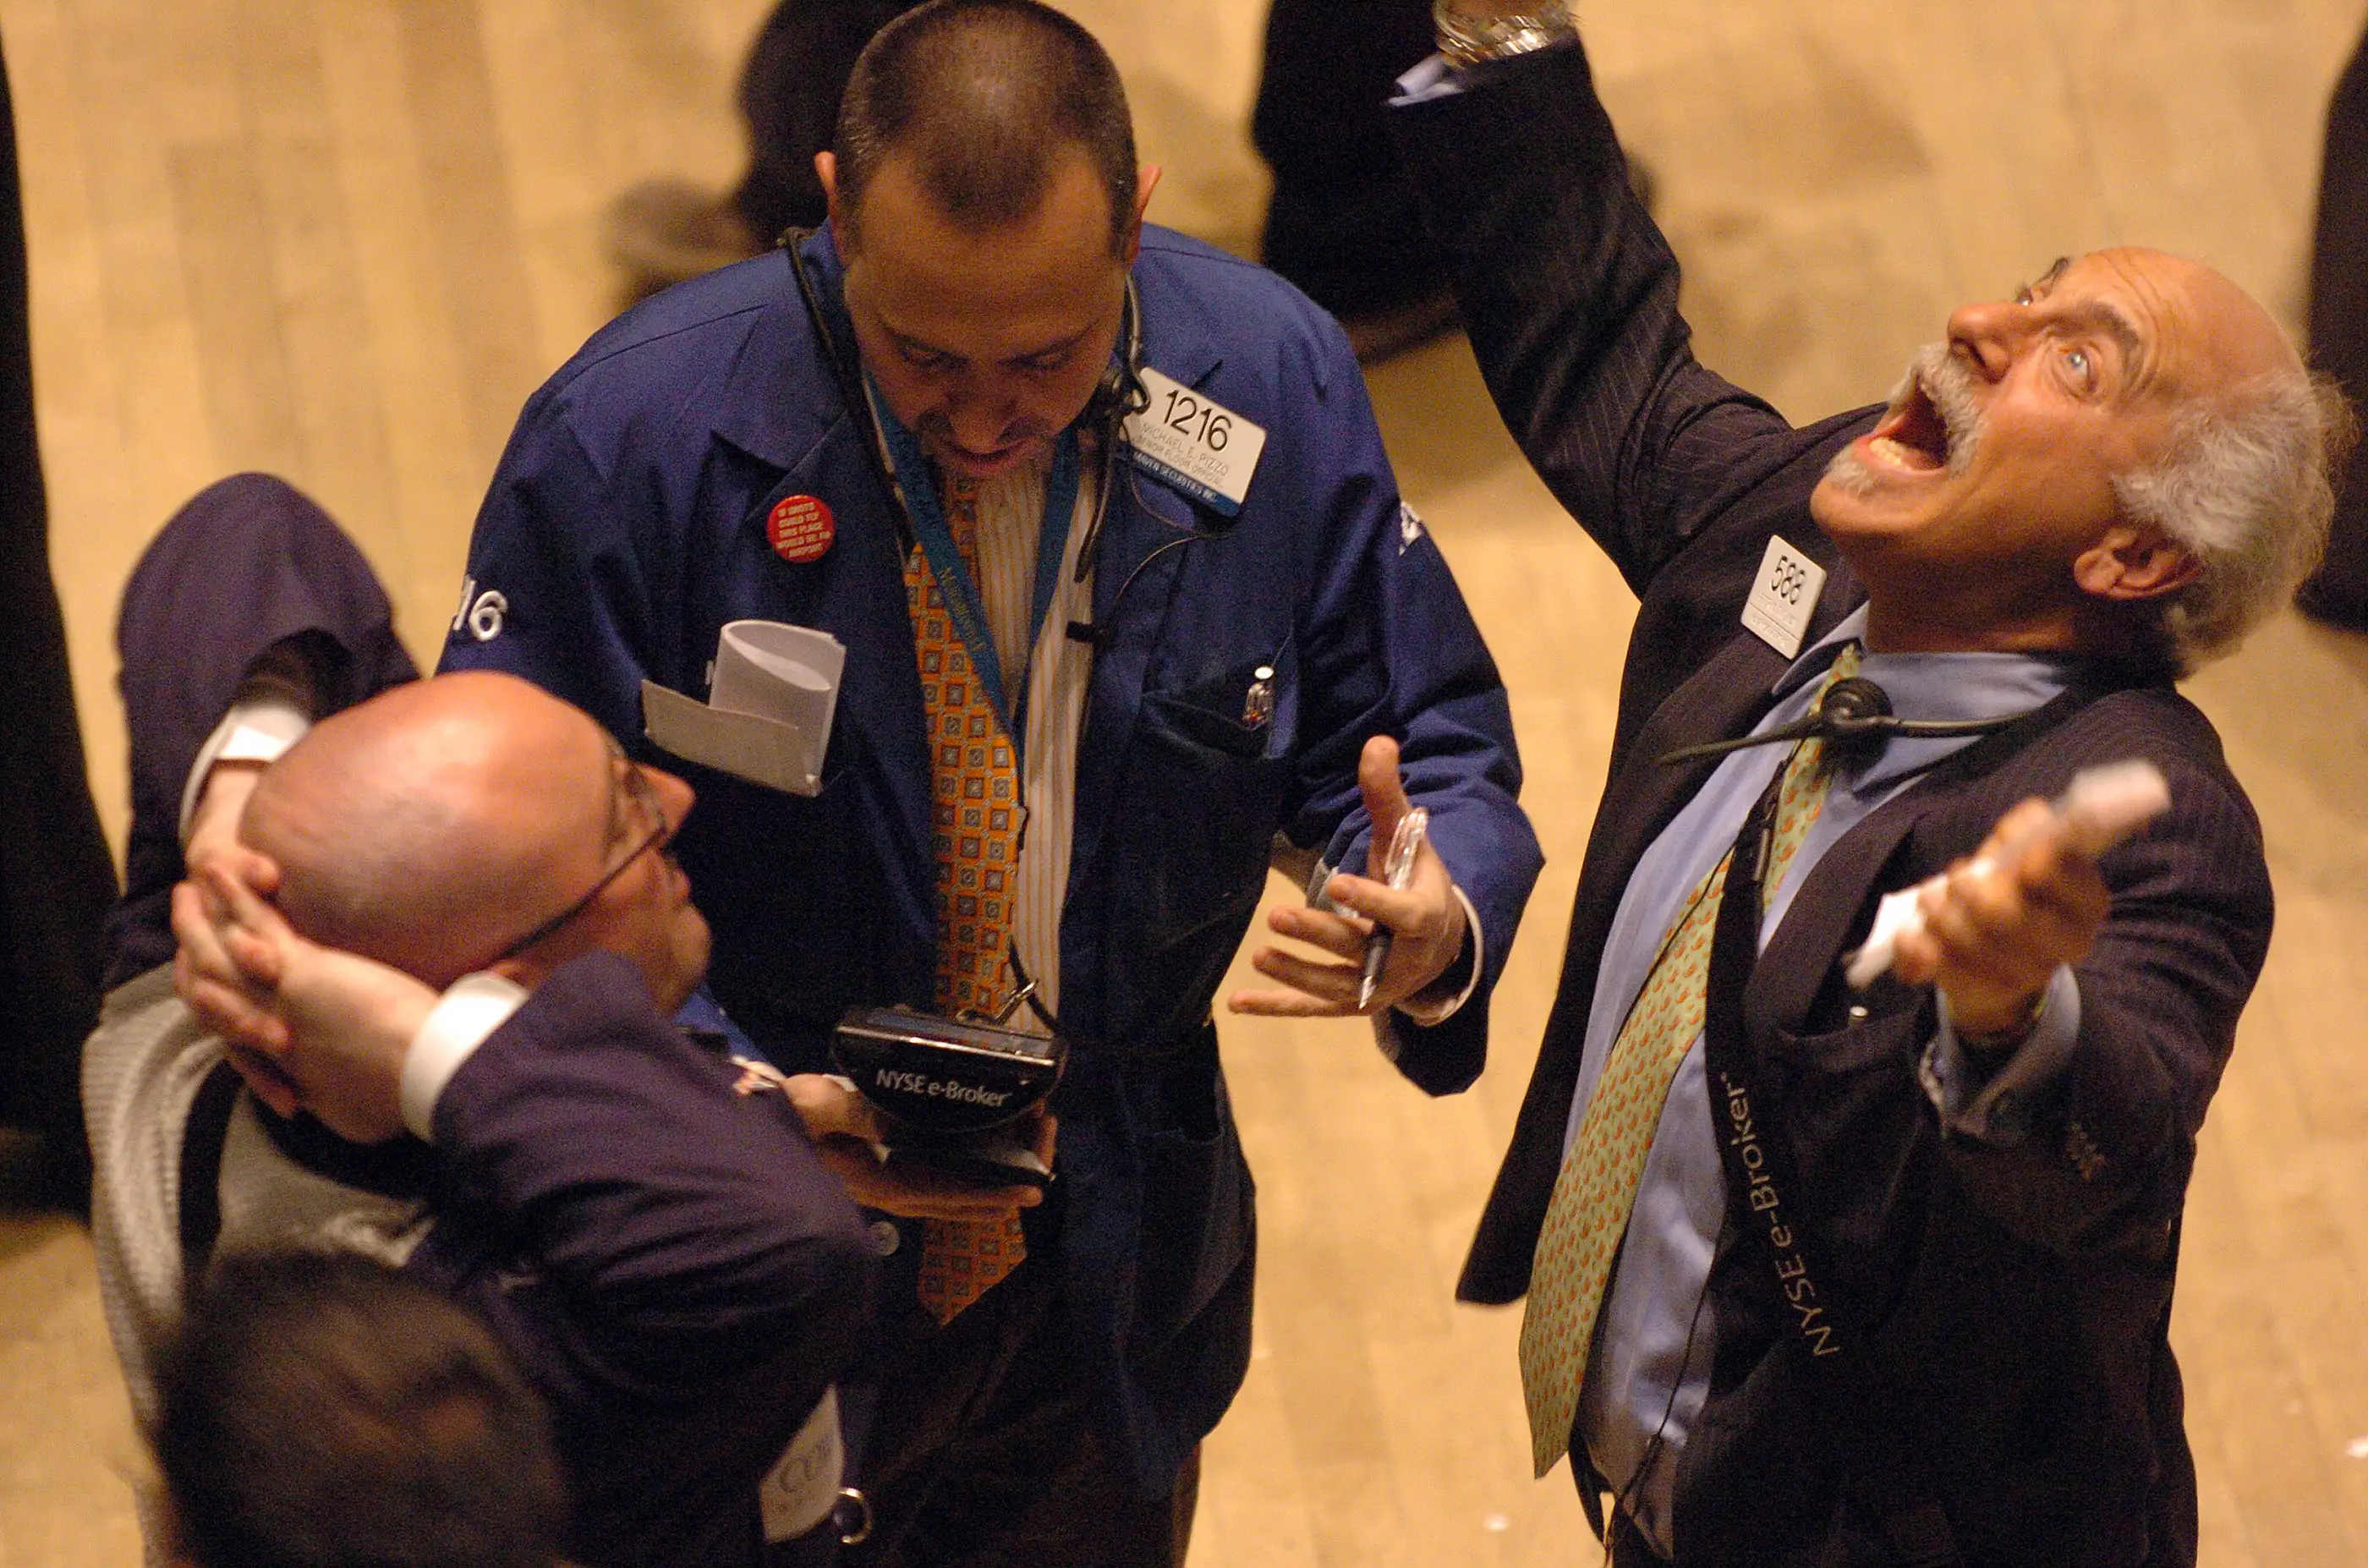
[802,529]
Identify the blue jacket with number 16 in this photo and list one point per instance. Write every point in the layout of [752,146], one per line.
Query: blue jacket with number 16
[628,523]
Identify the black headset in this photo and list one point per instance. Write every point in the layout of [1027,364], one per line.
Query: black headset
[1854,720]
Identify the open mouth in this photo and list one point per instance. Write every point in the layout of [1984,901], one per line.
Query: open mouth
[1913,435]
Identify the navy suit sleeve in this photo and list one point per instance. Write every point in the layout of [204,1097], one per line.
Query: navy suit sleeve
[687,1242]
[1570,294]
[2107,1147]
[1383,601]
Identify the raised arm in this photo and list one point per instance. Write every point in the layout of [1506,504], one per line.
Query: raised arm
[1570,294]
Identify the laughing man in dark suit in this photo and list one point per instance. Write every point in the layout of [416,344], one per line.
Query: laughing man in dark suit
[1939,1336]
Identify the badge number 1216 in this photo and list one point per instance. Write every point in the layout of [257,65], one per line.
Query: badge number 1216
[1194,443]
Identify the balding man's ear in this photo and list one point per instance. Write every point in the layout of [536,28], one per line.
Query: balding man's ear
[1146,180]
[826,171]
[2134,561]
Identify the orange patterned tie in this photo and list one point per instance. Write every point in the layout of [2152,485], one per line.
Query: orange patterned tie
[976,782]
[1597,1187]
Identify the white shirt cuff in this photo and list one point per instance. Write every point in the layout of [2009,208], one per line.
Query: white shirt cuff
[474,1007]
[1435,77]
[1434,1010]
[250,732]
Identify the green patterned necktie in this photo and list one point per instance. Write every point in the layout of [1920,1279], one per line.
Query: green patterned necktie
[1597,1187]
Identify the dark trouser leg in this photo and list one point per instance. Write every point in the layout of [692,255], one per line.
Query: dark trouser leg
[248,562]
[56,880]
[2339,335]
[985,1452]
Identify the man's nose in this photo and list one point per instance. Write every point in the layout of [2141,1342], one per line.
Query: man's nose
[1988,335]
[675,796]
[980,414]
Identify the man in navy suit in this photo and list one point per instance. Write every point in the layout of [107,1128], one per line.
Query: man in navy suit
[1893,1284]
[1223,641]
[478,871]
[478,1077]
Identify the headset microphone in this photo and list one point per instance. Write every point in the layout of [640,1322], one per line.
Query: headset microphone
[1854,718]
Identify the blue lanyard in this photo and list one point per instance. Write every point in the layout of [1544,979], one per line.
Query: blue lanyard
[917,488]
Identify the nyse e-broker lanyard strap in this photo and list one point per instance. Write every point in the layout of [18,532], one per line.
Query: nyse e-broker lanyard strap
[1884,1466]
[927,512]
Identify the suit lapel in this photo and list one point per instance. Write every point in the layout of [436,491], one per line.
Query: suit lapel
[1824,916]
[1840,889]
[1725,698]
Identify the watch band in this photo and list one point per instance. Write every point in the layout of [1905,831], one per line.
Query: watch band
[1468,40]
[1994,1043]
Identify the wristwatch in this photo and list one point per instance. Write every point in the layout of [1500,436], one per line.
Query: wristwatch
[1468,40]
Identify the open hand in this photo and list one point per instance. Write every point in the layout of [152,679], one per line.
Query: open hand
[846,1132]
[345,1021]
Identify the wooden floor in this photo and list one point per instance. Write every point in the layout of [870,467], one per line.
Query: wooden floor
[342,240]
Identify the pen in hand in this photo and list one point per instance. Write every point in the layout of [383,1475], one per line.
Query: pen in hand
[1397,873]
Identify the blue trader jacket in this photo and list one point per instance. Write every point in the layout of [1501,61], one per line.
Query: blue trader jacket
[628,523]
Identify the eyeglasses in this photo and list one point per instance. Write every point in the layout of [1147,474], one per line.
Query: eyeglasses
[643,798]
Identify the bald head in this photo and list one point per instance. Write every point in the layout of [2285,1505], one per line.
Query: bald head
[2231,336]
[432,827]
[2126,459]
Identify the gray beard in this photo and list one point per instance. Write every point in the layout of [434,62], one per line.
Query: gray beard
[1850,474]
[1945,381]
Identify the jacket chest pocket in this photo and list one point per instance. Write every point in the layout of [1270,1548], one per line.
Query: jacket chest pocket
[1209,796]
[1851,1106]
[1191,838]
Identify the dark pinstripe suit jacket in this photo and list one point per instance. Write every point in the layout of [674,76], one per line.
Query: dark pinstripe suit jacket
[2021,1293]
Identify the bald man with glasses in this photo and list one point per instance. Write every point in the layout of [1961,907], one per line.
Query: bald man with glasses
[476,867]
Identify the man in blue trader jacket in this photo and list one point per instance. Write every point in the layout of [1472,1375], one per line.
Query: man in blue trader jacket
[1211,635]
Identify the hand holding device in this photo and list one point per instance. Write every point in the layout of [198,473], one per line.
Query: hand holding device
[1397,874]
[1992,928]
[849,1136]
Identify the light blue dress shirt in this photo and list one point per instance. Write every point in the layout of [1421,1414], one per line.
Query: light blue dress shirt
[1650,1373]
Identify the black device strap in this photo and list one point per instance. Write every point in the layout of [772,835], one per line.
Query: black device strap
[1883,1468]
[202,1137]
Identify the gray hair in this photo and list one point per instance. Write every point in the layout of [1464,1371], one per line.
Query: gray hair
[2247,486]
